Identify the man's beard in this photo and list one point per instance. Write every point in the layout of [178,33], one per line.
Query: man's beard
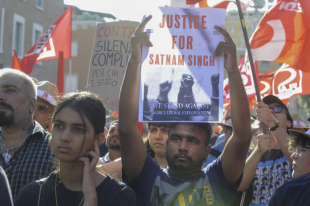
[6,120]
[16,116]
[115,147]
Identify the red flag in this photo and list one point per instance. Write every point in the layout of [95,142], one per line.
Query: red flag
[283,35]
[61,73]
[289,82]
[140,127]
[247,78]
[15,62]
[56,38]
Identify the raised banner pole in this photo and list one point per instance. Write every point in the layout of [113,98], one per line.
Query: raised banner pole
[247,43]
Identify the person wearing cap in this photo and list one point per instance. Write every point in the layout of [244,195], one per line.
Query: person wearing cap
[271,151]
[46,102]
[296,191]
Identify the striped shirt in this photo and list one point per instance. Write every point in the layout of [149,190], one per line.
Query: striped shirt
[32,161]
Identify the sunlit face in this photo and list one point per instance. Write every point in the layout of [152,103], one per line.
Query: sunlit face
[186,149]
[157,138]
[15,105]
[300,163]
[281,117]
[43,112]
[71,139]
[113,142]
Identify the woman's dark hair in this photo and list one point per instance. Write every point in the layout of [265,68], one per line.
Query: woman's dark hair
[298,140]
[85,104]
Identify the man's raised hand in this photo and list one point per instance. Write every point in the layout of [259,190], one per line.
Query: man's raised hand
[138,39]
[229,49]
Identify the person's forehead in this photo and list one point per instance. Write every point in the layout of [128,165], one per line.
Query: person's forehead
[274,105]
[42,102]
[71,116]
[11,80]
[187,130]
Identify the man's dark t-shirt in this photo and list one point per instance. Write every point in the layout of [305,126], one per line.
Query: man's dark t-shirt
[157,187]
[110,193]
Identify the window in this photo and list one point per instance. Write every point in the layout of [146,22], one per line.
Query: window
[18,35]
[241,42]
[71,82]
[74,49]
[37,32]
[232,28]
[2,29]
[39,4]
[265,64]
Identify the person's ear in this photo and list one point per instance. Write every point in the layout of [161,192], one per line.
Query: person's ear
[207,148]
[100,138]
[32,104]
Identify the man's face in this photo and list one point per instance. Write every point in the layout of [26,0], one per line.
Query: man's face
[43,112]
[113,138]
[15,105]
[186,149]
[281,117]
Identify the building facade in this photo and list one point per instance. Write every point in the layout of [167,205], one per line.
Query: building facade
[233,26]
[22,22]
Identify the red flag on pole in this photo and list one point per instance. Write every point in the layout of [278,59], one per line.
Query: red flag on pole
[61,73]
[283,35]
[56,38]
[15,62]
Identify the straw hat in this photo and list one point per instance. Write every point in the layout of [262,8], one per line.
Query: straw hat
[296,133]
[298,122]
[48,92]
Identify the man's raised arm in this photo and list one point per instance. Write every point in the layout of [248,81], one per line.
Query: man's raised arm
[234,154]
[133,152]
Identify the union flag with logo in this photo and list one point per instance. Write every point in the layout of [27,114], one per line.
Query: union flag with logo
[56,38]
[282,35]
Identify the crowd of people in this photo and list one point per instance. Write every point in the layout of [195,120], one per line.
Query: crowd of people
[51,148]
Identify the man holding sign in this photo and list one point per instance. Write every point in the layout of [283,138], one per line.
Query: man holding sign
[184,182]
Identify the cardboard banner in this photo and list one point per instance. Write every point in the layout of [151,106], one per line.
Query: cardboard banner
[181,80]
[109,59]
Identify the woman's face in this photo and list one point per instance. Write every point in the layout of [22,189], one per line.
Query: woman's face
[158,137]
[68,135]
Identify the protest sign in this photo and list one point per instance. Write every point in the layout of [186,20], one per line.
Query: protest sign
[109,59]
[181,80]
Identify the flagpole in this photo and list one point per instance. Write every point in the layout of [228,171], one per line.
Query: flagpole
[70,73]
[247,43]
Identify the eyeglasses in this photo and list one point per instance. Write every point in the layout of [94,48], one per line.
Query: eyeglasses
[299,150]
[277,109]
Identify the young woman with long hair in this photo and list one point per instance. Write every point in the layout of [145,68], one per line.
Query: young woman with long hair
[78,129]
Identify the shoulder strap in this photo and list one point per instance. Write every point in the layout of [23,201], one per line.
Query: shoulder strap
[215,152]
